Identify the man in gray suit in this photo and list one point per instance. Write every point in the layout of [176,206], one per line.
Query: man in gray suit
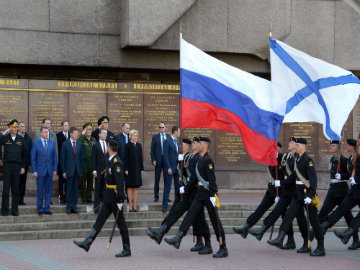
[46,122]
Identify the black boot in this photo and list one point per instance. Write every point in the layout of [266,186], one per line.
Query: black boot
[344,236]
[125,252]
[243,231]
[304,248]
[320,250]
[278,241]
[207,249]
[290,244]
[175,241]
[222,253]
[259,232]
[199,244]
[324,226]
[85,245]
[356,242]
[158,233]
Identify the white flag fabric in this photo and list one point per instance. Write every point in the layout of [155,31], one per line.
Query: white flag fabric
[315,90]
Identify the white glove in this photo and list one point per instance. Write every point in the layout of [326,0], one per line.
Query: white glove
[120,206]
[307,200]
[213,201]
[338,176]
[352,180]
[277,199]
[180,157]
[277,183]
[182,190]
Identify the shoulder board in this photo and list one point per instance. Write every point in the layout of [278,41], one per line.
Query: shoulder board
[115,160]
[311,164]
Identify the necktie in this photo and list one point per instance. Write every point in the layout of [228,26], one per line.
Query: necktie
[176,145]
[66,135]
[162,142]
[45,146]
[74,148]
[104,148]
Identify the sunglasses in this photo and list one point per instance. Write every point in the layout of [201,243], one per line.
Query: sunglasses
[161,127]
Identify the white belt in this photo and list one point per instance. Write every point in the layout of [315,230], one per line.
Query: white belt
[271,181]
[333,181]
[299,183]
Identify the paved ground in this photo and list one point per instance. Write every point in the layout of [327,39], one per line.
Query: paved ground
[55,254]
[146,254]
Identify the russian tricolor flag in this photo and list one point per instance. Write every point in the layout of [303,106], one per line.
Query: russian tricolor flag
[216,95]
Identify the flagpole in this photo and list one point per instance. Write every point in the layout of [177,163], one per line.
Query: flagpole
[181,131]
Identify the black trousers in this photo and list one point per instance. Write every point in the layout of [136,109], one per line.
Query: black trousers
[267,201]
[279,209]
[296,209]
[11,178]
[158,169]
[194,211]
[99,191]
[330,202]
[22,185]
[200,226]
[62,186]
[109,206]
[346,205]
[355,223]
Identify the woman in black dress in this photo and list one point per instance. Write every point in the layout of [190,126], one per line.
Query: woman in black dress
[134,168]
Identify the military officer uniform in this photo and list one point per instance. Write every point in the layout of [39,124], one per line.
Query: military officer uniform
[95,133]
[14,158]
[87,176]
[286,180]
[200,226]
[267,201]
[207,188]
[306,184]
[114,194]
[350,201]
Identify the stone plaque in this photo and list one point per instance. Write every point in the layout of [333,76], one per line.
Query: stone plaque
[86,107]
[356,120]
[43,104]
[230,151]
[309,131]
[126,105]
[161,103]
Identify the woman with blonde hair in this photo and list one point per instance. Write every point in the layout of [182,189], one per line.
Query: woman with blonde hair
[134,168]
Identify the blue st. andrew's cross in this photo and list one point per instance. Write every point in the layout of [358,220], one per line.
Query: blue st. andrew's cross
[311,86]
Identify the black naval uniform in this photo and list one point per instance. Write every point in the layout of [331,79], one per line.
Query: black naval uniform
[206,170]
[350,201]
[200,226]
[306,168]
[287,190]
[114,193]
[14,159]
[337,190]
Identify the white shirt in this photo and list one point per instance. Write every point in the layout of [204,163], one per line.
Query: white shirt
[66,135]
[13,138]
[111,157]
[102,143]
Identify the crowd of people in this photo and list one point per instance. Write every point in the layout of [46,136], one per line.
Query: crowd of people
[116,165]
[79,161]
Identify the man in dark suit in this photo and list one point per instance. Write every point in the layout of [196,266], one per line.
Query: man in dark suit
[72,163]
[122,139]
[157,159]
[62,136]
[103,122]
[98,157]
[44,166]
[171,152]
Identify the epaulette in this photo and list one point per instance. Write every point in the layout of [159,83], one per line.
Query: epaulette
[115,160]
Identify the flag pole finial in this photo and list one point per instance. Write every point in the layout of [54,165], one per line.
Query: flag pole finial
[270,34]
[180,30]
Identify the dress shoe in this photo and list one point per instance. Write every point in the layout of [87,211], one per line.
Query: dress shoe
[74,211]
[304,249]
[68,211]
[164,210]
[48,213]
[4,214]
[126,252]
[320,250]
[355,245]
[89,201]
[16,214]
[156,199]
[40,213]
[169,200]
[222,253]
[22,203]
[175,241]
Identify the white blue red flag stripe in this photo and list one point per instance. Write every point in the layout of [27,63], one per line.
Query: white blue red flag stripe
[316,91]
[216,95]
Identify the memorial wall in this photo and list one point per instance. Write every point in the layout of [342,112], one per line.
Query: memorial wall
[143,105]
